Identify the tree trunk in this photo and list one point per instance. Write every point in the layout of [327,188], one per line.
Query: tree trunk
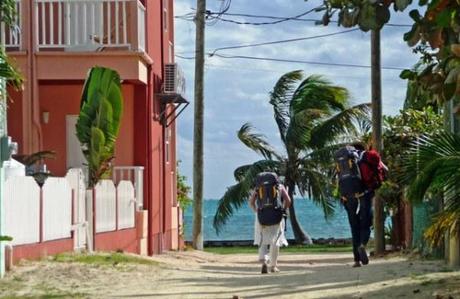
[197,241]
[299,234]
[379,233]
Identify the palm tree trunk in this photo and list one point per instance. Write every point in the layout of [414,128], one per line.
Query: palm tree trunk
[301,237]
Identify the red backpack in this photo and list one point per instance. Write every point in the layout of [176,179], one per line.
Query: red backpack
[372,169]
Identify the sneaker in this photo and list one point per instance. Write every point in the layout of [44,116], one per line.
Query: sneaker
[274,269]
[363,255]
[264,269]
[356,264]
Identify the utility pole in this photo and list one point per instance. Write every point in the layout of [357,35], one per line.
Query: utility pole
[376,81]
[197,241]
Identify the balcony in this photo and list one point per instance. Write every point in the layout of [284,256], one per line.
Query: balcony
[79,25]
[72,35]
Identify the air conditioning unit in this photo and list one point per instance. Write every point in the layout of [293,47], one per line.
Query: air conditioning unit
[174,81]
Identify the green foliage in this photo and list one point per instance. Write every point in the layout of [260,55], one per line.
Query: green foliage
[400,133]
[311,115]
[435,35]
[102,259]
[433,163]
[183,190]
[99,121]
[7,69]
[6,238]
[8,11]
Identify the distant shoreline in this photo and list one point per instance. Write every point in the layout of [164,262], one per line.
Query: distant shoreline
[231,243]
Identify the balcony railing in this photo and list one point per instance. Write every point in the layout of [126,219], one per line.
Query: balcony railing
[80,25]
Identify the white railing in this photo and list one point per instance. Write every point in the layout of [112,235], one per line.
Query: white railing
[134,174]
[79,25]
[11,36]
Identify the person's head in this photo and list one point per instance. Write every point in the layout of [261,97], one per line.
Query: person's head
[360,146]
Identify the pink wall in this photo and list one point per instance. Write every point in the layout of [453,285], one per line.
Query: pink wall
[15,116]
[39,250]
[64,99]
[123,240]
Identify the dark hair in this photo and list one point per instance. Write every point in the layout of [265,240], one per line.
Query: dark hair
[360,146]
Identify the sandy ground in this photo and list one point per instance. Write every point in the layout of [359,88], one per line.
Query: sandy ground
[194,274]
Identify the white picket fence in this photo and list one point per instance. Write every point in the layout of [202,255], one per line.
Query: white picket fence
[22,210]
[57,209]
[35,214]
[108,210]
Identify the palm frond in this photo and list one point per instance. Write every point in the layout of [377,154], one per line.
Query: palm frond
[238,194]
[324,155]
[316,185]
[316,92]
[339,124]
[298,134]
[239,173]
[9,72]
[280,99]
[432,159]
[257,142]
[8,12]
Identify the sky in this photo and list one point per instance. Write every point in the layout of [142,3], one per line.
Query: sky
[237,91]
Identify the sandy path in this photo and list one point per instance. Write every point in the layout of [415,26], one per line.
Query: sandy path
[202,275]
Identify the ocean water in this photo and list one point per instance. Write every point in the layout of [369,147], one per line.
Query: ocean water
[241,225]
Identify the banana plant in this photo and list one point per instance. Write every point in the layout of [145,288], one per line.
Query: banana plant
[99,121]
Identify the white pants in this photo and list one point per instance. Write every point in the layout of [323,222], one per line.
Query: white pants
[269,239]
[264,256]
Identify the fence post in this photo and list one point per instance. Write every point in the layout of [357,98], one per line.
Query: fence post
[139,186]
[90,220]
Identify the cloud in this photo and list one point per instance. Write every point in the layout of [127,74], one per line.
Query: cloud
[237,91]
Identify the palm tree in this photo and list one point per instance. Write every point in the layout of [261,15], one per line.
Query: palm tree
[7,70]
[311,114]
[433,165]
[99,121]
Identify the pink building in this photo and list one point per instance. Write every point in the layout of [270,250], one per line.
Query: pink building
[55,44]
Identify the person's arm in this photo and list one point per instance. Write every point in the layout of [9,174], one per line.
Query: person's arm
[252,201]
[285,196]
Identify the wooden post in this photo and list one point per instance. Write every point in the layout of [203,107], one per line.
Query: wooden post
[198,128]
[379,236]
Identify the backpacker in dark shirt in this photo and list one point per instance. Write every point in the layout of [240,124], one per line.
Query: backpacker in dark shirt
[268,198]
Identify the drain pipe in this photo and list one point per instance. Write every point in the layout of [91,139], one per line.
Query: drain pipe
[34,143]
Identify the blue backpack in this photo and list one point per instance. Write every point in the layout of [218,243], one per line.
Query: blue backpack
[348,171]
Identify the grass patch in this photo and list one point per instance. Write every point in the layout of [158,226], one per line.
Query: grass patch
[102,259]
[290,249]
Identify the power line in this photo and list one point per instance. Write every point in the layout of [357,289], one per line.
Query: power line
[279,19]
[277,71]
[291,19]
[281,41]
[295,61]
